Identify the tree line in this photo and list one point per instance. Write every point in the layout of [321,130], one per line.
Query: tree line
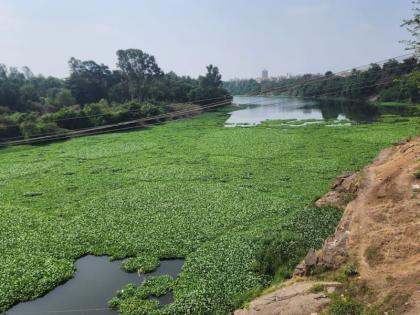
[391,81]
[95,95]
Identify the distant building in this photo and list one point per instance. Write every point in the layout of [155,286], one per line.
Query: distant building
[264,74]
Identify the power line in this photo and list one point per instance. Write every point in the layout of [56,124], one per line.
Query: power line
[352,89]
[115,127]
[105,128]
[97,130]
[224,96]
[334,76]
[225,99]
[293,84]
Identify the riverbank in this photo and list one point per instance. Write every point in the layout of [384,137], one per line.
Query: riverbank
[373,257]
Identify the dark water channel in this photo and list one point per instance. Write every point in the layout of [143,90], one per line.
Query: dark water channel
[255,109]
[95,282]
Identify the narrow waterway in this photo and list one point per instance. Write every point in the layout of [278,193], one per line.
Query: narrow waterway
[95,282]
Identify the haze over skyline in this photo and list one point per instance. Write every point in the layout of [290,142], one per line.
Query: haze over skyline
[240,37]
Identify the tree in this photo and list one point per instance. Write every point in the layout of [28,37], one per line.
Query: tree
[413,86]
[139,69]
[88,82]
[212,80]
[64,98]
[209,87]
[60,97]
[413,27]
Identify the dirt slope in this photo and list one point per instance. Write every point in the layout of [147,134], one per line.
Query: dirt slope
[379,231]
[384,225]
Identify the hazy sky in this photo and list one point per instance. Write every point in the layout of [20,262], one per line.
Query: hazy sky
[241,37]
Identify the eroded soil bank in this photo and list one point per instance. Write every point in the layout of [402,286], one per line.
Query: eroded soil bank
[378,237]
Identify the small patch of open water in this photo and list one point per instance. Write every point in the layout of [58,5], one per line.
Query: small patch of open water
[95,282]
[256,109]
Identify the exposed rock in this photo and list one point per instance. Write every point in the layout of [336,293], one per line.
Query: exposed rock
[342,191]
[293,299]
[331,290]
[307,264]
[311,259]
[384,216]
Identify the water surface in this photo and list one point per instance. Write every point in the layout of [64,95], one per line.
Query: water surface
[96,281]
[253,110]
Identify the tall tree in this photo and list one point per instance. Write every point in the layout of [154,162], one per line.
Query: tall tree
[139,69]
[88,82]
[209,87]
[413,26]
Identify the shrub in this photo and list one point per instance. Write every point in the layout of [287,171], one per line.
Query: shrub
[317,287]
[373,254]
[279,250]
[31,128]
[350,270]
[344,306]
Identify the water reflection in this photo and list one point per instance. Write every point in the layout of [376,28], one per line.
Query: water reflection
[357,111]
[96,281]
[254,110]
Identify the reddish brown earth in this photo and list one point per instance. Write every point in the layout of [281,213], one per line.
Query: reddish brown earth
[384,226]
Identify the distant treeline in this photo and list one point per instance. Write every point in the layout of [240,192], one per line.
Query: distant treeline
[95,95]
[392,81]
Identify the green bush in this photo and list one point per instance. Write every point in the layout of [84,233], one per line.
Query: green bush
[279,250]
[350,270]
[344,306]
[32,129]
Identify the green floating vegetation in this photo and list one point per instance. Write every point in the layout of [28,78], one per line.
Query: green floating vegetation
[190,188]
[133,295]
[142,264]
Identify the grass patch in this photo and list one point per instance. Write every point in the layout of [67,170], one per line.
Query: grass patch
[317,288]
[373,255]
[348,197]
[396,104]
[417,173]
[343,306]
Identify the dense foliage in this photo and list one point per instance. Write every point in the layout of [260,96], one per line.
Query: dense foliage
[34,105]
[190,189]
[242,86]
[281,250]
[392,81]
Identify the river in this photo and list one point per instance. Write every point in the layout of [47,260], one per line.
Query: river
[253,110]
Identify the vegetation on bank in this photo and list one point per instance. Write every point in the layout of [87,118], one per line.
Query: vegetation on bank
[392,81]
[190,189]
[354,296]
[93,95]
